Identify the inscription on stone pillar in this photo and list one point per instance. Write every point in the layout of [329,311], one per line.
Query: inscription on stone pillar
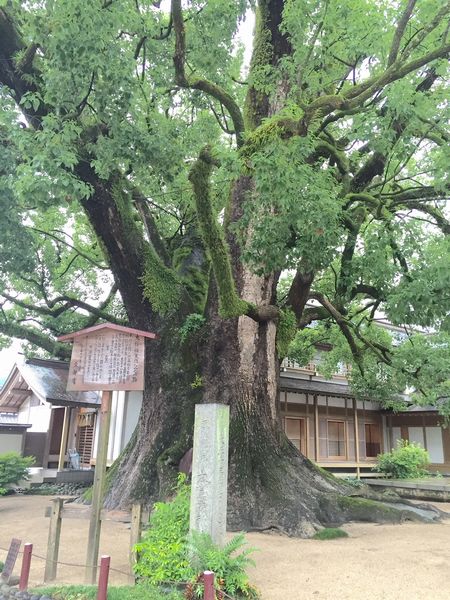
[210,471]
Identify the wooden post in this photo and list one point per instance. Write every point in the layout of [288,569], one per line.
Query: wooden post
[356,429]
[48,440]
[316,428]
[98,489]
[25,571]
[54,534]
[102,590]
[135,536]
[65,431]
[208,583]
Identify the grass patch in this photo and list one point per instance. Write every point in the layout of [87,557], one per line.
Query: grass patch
[330,533]
[89,592]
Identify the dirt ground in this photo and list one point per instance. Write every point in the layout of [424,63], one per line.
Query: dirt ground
[377,562]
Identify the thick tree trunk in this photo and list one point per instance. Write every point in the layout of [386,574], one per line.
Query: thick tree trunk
[271,485]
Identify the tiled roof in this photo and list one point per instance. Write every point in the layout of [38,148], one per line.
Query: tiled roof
[48,380]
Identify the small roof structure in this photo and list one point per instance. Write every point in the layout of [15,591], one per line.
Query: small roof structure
[69,337]
[47,379]
[314,386]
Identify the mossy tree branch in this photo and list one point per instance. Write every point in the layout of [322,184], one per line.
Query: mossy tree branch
[230,304]
[198,83]
[35,337]
[343,325]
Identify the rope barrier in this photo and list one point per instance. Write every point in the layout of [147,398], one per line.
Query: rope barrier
[220,592]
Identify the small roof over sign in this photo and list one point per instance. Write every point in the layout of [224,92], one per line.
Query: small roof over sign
[69,337]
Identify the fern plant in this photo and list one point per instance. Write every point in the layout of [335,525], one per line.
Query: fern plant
[229,563]
[167,553]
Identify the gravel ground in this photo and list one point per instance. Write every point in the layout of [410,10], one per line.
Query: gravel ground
[377,562]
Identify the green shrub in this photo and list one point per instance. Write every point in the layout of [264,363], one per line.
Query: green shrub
[163,554]
[406,461]
[330,533]
[13,468]
[167,554]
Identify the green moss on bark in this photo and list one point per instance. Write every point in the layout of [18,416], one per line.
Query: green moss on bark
[286,330]
[230,305]
[160,284]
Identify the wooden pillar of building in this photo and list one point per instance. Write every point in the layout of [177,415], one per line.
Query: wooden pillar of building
[48,439]
[316,429]
[356,430]
[98,489]
[64,435]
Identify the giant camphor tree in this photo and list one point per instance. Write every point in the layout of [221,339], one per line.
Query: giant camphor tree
[242,213]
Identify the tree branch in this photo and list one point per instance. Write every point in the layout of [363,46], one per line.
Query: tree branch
[343,324]
[69,302]
[403,22]
[35,337]
[196,83]
[79,252]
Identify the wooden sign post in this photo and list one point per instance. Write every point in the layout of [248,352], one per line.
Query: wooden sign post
[10,560]
[106,357]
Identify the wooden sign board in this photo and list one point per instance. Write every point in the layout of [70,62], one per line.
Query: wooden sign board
[11,558]
[107,359]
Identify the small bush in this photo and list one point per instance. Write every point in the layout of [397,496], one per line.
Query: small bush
[166,554]
[13,468]
[163,554]
[330,533]
[406,461]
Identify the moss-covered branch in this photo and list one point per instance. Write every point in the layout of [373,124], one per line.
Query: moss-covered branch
[35,337]
[199,83]
[66,303]
[230,303]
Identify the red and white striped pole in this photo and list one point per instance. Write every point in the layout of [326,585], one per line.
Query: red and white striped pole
[25,571]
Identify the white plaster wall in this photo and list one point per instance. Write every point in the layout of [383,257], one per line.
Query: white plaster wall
[133,406]
[396,435]
[10,442]
[435,445]
[37,416]
[415,435]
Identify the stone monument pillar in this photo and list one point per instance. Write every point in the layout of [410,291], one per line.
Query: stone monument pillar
[210,471]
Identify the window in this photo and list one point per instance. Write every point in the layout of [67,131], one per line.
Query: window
[336,439]
[373,446]
[85,444]
[295,431]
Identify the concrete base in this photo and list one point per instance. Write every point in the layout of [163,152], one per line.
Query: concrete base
[419,489]
[75,476]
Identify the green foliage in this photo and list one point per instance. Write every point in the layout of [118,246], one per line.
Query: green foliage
[191,327]
[166,552]
[286,330]
[406,461]
[163,552]
[297,207]
[198,382]
[229,563]
[344,162]
[330,533]
[13,468]
[87,592]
